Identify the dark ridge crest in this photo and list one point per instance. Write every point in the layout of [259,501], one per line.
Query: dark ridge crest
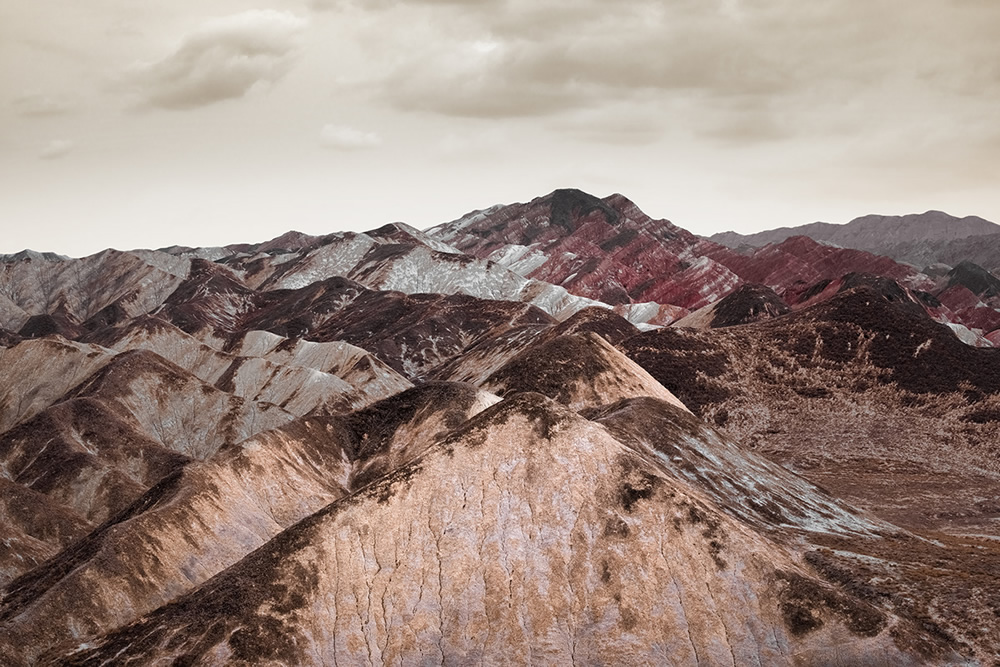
[568,206]
[602,321]
[552,369]
[975,278]
[748,303]
[374,426]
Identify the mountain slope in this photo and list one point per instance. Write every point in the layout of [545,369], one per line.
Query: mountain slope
[208,515]
[608,249]
[523,569]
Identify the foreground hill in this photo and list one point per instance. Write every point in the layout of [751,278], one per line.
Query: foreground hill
[601,560]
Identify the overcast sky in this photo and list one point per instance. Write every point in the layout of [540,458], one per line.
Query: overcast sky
[145,124]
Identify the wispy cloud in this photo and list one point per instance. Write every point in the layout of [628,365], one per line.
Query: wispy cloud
[36,104]
[57,148]
[345,138]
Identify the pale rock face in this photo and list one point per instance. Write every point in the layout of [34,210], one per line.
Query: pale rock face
[699,319]
[138,282]
[651,313]
[400,232]
[968,336]
[338,258]
[34,527]
[400,258]
[422,269]
[527,563]
[742,484]
[480,361]
[424,264]
[298,376]
[12,316]
[521,259]
[174,345]
[36,373]
[555,300]
[295,389]
[180,411]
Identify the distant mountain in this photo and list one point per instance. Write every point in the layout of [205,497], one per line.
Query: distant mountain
[871,232]
[919,239]
[982,250]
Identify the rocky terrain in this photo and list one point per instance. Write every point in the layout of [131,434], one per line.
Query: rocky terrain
[482,443]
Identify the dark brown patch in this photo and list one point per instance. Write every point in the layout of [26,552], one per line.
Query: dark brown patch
[568,206]
[803,601]
[374,426]
[552,369]
[683,363]
[607,324]
[621,239]
[748,303]
[636,485]
[616,528]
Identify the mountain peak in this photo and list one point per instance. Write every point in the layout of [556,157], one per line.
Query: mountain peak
[570,207]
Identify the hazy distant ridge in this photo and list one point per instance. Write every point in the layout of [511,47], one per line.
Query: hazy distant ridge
[872,232]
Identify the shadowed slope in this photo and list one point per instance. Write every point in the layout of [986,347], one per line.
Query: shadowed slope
[87,455]
[180,411]
[747,303]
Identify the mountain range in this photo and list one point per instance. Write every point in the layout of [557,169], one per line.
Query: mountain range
[552,432]
[920,239]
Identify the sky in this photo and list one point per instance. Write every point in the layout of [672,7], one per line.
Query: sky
[148,123]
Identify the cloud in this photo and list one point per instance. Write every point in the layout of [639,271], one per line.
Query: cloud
[553,57]
[222,59]
[36,104]
[344,138]
[738,72]
[57,148]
